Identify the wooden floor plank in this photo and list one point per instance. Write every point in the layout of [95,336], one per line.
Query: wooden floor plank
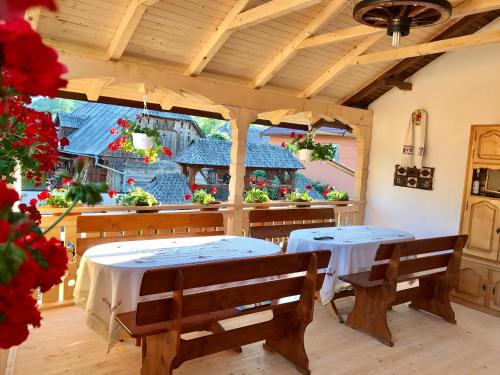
[424,344]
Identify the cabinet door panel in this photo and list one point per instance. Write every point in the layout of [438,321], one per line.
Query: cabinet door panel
[481,220]
[487,145]
[472,283]
[495,290]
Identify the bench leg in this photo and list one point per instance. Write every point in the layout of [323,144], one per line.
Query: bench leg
[369,313]
[216,327]
[159,357]
[433,296]
[291,346]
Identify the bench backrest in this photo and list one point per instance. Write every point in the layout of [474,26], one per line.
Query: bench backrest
[97,229]
[180,279]
[403,259]
[277,224]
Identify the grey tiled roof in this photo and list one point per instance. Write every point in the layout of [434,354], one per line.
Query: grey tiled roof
[301,182]
[71,120]
[217,153]
[93,136]
[169,188]
[276,130]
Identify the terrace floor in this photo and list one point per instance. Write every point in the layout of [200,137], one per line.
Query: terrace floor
[424,344]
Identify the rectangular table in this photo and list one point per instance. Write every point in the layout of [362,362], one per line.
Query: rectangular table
[353,250]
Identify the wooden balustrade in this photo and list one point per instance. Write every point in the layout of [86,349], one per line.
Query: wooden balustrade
[346,213]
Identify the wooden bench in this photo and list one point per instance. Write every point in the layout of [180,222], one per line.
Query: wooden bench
[276,224]
[376,290]
[98,229]
[161,321]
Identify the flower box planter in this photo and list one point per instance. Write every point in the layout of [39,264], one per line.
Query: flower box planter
[339,203]
[142,142]
[262,205]
[305,155]
[300,204]
[212,206]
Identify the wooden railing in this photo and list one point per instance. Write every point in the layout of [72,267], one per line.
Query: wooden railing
[346,213]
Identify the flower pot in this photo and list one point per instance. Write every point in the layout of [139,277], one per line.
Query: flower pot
[262,205]
[142,141]
[300,204]
[305,155]
[339,203]
[212,206]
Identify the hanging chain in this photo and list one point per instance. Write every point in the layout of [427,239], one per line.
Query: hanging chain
[145,111]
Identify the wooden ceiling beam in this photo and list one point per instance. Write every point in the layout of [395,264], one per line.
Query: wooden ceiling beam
[215,42]
[271,69]
[213,92]
[327,77]
[127,27]
[465,9]
[339,36]
[96,88]
[429,48]
[268,11]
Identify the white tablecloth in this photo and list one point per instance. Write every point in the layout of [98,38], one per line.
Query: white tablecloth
[353,250]
[109,276]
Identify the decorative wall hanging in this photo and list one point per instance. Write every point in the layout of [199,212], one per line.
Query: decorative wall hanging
[412,177]
[411,172]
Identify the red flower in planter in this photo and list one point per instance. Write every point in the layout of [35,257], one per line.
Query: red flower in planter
[213,190]
[283,144]
[67,180]
[33,202]
[123,123]
[8,196]
[147,160]
[130,181]
[167,152]
[29,66]
[283,190]
[43,195]
[113,131]
[292,135]
[194,187]
[299,137]
[308,187]
[187,197]
[15,8]
[63,142]
[112,193]
[259,183]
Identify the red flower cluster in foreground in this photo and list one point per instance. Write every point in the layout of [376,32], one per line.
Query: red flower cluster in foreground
[29,66]
[43,264]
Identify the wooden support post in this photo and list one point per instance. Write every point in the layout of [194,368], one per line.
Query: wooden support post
[240,119]
[363,136]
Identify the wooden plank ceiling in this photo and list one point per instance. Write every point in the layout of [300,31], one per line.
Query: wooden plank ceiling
[307,48]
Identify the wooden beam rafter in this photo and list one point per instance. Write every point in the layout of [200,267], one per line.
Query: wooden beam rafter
[268,11]
[465,9]
[270,70]
[96,87]
[127,27]
[429,48]
[327,77]
[216,40]
[205,90]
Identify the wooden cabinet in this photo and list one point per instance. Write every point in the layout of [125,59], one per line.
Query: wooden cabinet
[479,283]
[495,290]
[482,223]
[486,144]
[473,282]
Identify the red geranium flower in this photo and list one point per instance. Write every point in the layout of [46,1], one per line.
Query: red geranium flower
[292,135]
[8,196]
[187,197]
[67,180]
[167,152]
[147,159]
[113,131]
[283,144]
[30,66]
[43,195]
[259,183]
[33,202]
[213,190]
[123,123]
[283,190]
[10,9]
[63,142]
[194,187]
[112,193]
[299,136]
[308,187]
[130,181]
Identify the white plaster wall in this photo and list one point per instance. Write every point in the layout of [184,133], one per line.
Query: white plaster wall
[459,89]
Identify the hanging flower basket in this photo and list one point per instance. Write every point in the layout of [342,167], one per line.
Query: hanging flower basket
[142,141]
[305,155]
